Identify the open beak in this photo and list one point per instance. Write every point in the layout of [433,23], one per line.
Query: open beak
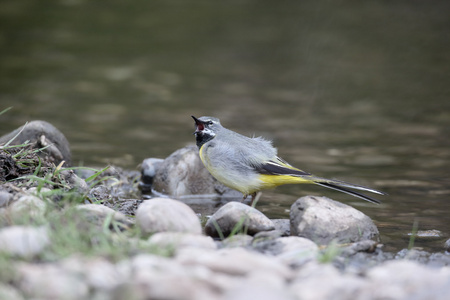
[200,126]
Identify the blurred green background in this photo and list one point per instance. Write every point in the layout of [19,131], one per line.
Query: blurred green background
[355,90]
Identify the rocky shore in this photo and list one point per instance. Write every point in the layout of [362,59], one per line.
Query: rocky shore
[80,233]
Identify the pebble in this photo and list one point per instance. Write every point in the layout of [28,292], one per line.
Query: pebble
[232,214]
[164,214]
[177,240]
[27,208]
[5,198]
[97,214]
[49,281]
[23,241]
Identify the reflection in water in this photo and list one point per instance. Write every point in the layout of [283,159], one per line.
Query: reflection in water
[356,91]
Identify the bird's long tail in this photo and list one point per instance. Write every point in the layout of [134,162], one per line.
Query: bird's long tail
[347,188]
[280,172]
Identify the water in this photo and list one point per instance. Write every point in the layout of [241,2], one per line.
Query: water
[345,89]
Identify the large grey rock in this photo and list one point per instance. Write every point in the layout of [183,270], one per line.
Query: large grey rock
[42,134]
[23,241]
[232,214]
[183,173]
[164,214]
[322,220]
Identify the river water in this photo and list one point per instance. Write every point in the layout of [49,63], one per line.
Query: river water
[355,90]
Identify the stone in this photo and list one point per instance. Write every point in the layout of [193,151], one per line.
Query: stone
[183,173]
[7,292]
[48,281]
[99,273]
[237,217]
[164,214]
[321,282]
[74,181]
[26,208]
[323,220]
[149,167]
[42,134]
[258,291]
[232,261]
[97,214]
[403,279]
[23,241]
[282,225]
[5,198]
[237,240]
[292,250]
[156,277]
[177,240]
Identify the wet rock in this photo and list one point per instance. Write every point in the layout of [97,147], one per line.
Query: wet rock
[248,219]
[48,281]
[164,214]
[323,220]
[149,167]
[447,245]
[96,214]
[183,173]
[23,241]
[42,134]
[177,240]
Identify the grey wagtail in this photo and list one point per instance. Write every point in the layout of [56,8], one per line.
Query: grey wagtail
[250,165]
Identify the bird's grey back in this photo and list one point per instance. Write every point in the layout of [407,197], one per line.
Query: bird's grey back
[242,150]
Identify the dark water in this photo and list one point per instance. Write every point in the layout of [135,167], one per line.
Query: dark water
[346,89]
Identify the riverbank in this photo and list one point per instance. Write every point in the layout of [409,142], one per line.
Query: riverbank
[82,233]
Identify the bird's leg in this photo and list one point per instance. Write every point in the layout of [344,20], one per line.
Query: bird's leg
[243,198]
[255,198]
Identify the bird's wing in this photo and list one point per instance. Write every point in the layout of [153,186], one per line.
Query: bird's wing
[278,166]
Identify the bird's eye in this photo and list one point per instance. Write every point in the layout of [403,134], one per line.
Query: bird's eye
[210,122]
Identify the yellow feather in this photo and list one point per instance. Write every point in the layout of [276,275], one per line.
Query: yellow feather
[271,181]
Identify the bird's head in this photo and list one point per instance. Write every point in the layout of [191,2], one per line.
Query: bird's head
[206,129]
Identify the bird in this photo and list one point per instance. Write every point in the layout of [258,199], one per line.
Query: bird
[252,164]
